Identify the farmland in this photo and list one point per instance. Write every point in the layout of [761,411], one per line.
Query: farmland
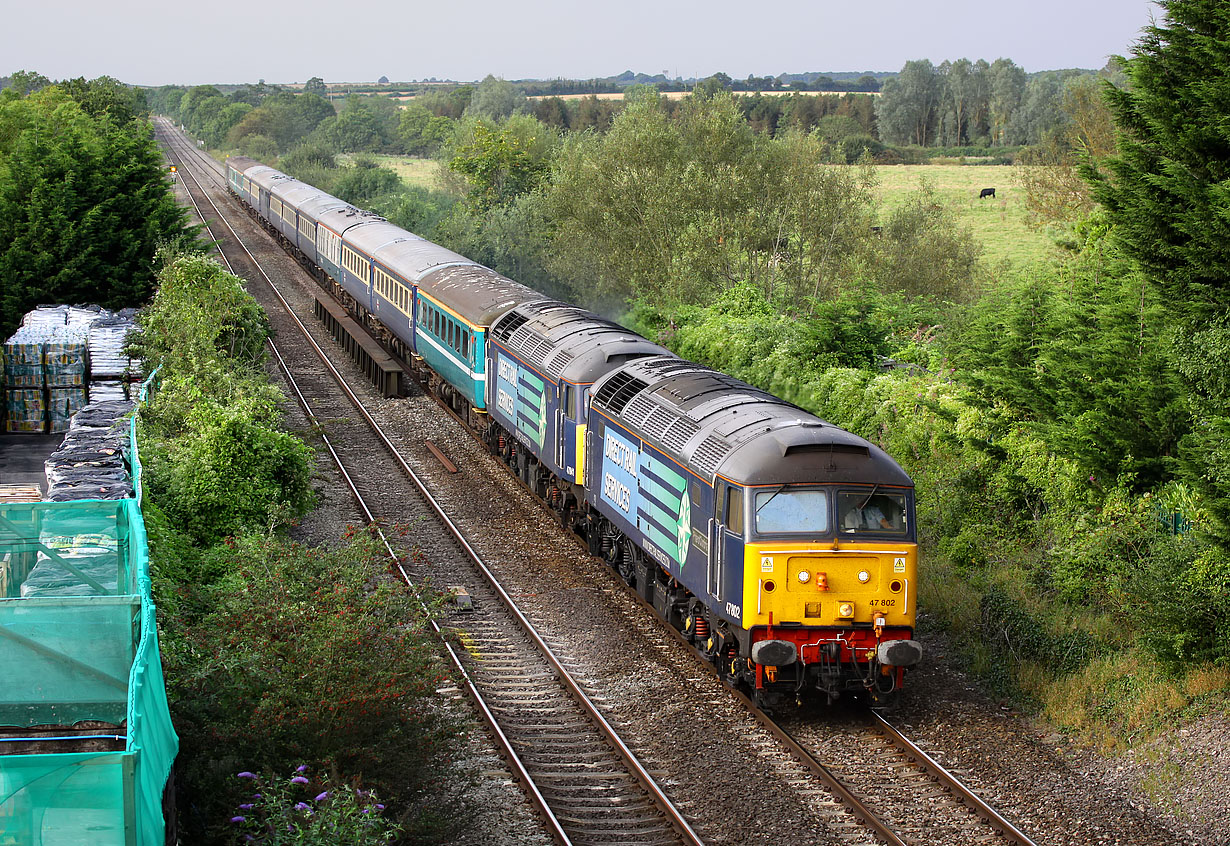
[999,223]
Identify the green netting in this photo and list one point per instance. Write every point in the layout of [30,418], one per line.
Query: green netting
[81,799]
[78,642]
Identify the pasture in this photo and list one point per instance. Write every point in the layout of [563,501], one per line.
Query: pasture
[998,223]
[412,171]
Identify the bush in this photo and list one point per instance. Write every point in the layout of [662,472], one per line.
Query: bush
[228,474]
[294,811]
[1181,590]
[304,656]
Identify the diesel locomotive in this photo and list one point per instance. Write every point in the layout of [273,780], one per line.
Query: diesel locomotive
[782,546]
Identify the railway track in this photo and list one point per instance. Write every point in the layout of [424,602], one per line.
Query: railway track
[587,784]
[575,774]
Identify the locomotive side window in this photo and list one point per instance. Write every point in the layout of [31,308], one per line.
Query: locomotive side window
[734,511]
[872,512]
[568,401]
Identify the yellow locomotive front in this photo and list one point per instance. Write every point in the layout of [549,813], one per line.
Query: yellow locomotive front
[829,589]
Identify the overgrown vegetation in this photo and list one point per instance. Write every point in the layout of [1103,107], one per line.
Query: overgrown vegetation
[276,656]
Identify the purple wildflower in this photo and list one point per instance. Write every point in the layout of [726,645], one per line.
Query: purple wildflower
[299,780]
[239,819]
[322,796]
[302,768]
[367,810]
[246,774]
[301,806]
[247,806]
[379,807]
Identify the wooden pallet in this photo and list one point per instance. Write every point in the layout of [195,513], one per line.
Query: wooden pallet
[20,493]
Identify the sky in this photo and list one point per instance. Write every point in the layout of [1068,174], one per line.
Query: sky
[279,41]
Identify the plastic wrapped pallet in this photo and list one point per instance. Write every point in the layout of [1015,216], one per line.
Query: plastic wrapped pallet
[74,565]
[107,390]
[23,361]
[62,404]
[24,410]
[66,361]
[108,335]
[91,462]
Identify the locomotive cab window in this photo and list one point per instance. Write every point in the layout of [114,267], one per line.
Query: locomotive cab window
[568,401]
[783,509]
[872,512]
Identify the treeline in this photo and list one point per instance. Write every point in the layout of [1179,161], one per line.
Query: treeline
[84,196]
[978,104]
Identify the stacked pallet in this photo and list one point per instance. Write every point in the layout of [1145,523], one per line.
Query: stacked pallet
[59,358]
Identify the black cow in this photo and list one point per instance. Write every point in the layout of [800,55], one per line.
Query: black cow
[986,192]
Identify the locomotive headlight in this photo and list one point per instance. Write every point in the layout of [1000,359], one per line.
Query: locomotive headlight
[864,576]
[845,609]
[804,576]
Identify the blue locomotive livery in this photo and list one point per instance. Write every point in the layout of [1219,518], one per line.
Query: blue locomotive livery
[783,547]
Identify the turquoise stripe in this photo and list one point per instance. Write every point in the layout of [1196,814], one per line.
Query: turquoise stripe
[664,472]
[663,496]
[668,545]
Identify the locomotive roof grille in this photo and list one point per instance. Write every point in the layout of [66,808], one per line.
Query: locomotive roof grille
[709,455]
[505,326]
[617,391]
[555,369]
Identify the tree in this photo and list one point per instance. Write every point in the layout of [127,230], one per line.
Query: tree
[1007,83]
[316,86]
[496,99]
[1166,194]
[961,92]
[497,166]
[27,82]
[422,133]
[907,109]
[84,204]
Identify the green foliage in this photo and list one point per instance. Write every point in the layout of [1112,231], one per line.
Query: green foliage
[199,315]
[1165,193]
[364,181]
[217,463]
[304,656]
[278,123]
[226,469]
[293,811]
[1182,589]
[1012,629]
[495,99]
[498,167]
[84,203]
[924,254]
[1082,359]
[421,132]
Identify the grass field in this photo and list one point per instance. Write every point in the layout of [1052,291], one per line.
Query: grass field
[418,172]
[999,223]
